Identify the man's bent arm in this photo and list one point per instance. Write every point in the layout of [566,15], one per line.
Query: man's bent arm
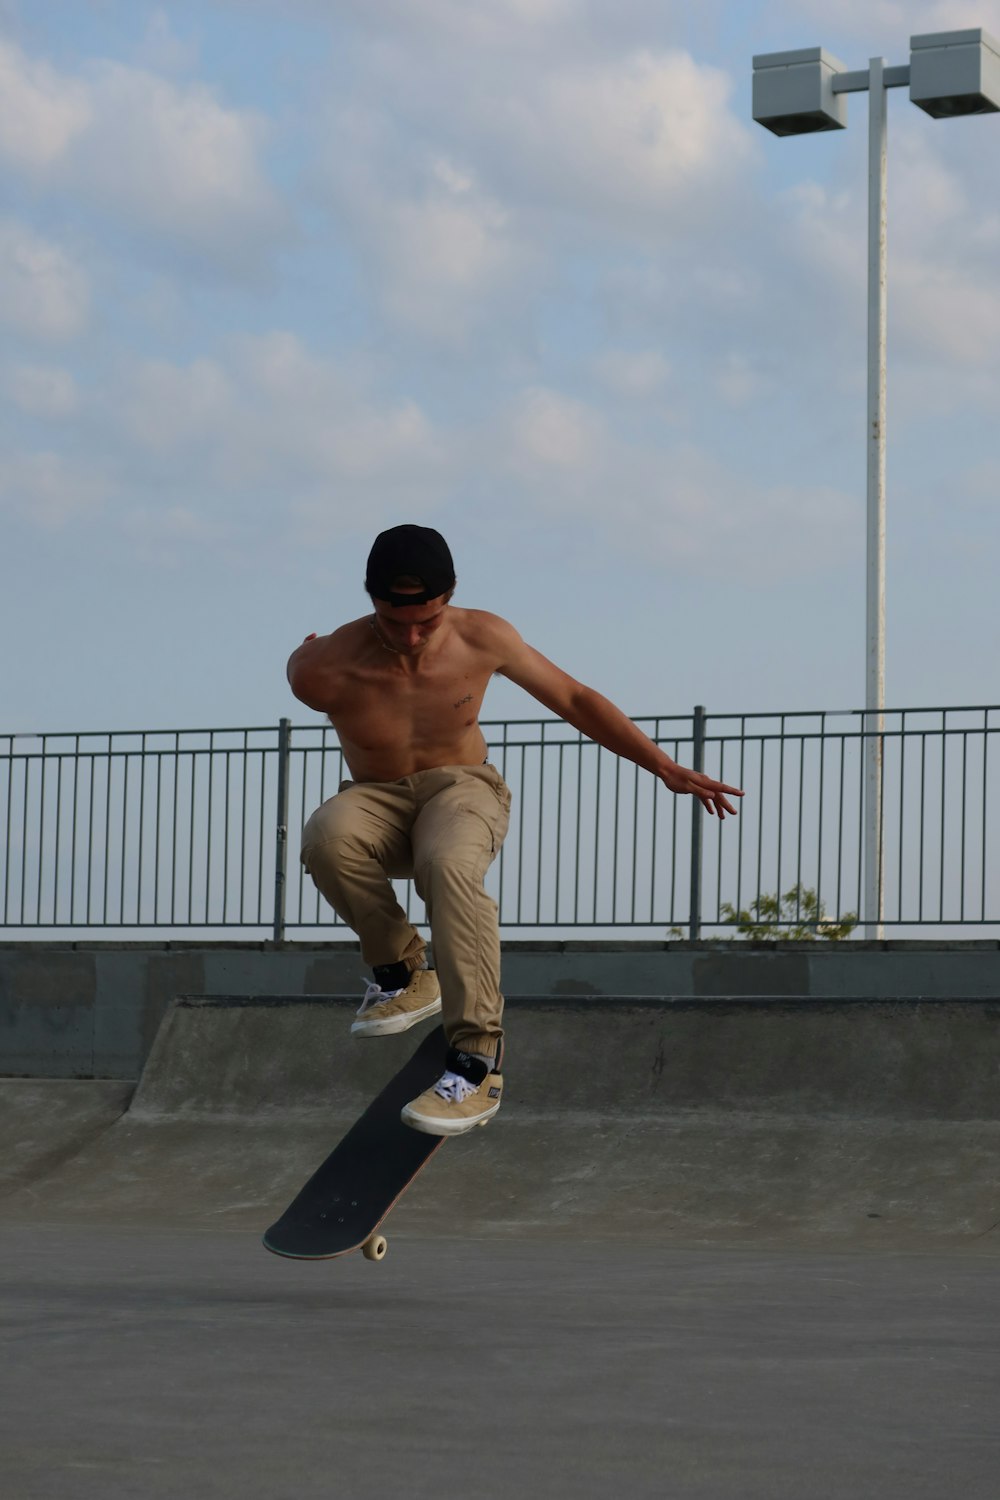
[307,675]
[599,719]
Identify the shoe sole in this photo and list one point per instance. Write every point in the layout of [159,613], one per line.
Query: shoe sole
[430,1126]
[395,1024]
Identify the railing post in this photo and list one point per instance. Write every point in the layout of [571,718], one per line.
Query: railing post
[281,831]
[696,825]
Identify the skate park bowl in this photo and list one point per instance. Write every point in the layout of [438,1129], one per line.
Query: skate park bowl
[733,1121]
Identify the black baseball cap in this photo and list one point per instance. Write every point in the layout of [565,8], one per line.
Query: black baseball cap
[409,552]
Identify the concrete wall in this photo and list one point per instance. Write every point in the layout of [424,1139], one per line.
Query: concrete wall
[771,1122]
[92,1010]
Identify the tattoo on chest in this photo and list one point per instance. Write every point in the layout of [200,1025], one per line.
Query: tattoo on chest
[466,699]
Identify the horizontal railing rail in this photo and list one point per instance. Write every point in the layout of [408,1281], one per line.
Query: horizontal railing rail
[196,830]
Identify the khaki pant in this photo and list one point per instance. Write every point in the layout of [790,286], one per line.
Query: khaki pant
[443,828]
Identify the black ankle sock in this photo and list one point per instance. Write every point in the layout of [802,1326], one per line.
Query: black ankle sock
[391,976]
[468,1065]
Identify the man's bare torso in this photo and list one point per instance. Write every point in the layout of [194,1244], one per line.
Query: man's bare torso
[403,688]
[397,713]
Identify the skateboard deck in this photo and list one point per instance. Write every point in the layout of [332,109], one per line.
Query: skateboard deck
[346,1199]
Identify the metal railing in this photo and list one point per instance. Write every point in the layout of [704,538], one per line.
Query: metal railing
[187,830]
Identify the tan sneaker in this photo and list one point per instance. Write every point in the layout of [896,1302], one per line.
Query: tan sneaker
[466,1095]
[383,1012]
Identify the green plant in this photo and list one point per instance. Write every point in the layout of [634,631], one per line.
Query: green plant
[797,916]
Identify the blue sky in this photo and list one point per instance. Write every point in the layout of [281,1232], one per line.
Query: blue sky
[276,276]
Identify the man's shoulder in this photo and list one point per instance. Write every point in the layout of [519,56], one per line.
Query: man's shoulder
[321,654]
[341,638]
[350,633]
[480,627]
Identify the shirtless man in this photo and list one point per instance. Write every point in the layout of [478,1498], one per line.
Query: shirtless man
[403,688]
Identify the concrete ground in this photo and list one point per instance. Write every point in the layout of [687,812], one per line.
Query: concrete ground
[164,1365]
[725,1251]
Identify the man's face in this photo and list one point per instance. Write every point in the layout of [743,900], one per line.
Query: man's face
[408,629]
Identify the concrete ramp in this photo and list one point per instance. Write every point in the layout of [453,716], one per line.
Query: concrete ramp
[45,1122]
[735,1121]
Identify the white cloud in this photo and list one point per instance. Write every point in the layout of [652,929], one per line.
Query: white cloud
[437,246]
[632,372]
[811,251]
[48,490]
[43,293]
[928,193]
[895,21]
[439,257]
[672,506]
[944,241]
[635,137]
[42,390]
[167,407]
[260,445]
[981,486]
[632,143]
[943,313]
[166,159]
[164,535]
[828,227]
[274,430]
[497,23]
[740,382]
[41,111]
[465,191]
[162,50]
[551,432]
[176,161]
[317,422]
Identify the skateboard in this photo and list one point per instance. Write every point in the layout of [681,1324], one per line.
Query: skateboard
[343,1204]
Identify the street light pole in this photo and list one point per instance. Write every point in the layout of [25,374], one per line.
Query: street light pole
[874,721]
[951,74]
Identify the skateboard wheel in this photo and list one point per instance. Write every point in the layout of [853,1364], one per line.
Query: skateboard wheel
[375,1248]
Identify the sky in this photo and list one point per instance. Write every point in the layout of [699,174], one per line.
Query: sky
[277,274]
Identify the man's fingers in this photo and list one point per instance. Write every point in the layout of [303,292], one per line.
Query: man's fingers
[714,788]
[716,803]
[720,786]
[710,793]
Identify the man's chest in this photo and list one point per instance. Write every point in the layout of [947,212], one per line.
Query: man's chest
[436,700]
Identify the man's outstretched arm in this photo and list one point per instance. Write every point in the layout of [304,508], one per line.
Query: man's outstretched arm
[599,719]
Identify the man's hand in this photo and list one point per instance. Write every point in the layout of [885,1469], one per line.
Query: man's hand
[711,794]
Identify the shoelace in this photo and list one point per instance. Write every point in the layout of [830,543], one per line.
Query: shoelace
[375,995]
[454,1088]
